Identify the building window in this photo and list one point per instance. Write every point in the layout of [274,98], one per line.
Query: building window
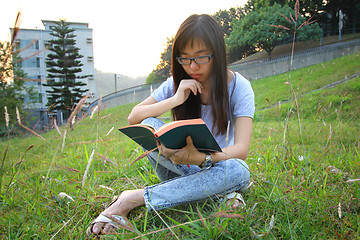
[37,62]
[47,44]
[39,80]
[40,98]
[37,45]
[89,40]
[90,59]
[91,77]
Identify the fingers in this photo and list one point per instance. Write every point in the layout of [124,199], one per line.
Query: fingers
[191,84]
[189,141]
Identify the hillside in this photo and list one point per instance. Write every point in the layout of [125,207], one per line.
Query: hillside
[105,82]
[299,46]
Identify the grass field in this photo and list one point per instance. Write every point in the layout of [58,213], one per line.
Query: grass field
[304,161]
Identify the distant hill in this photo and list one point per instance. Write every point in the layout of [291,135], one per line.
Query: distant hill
[299,46]
[105,82]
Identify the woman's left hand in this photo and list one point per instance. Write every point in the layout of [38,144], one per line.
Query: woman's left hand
[187,155]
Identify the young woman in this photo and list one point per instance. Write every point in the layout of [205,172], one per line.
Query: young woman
[201,86]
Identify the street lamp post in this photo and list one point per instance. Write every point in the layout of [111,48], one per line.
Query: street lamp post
[115,83]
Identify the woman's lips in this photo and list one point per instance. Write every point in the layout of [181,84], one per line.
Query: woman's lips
[195,76]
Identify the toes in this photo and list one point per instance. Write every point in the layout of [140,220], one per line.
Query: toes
[96,229]
[107,229]
[233,204]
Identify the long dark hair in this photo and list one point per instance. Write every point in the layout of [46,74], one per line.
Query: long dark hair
[205,28]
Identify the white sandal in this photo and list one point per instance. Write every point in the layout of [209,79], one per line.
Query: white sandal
[116,221]
[235,195]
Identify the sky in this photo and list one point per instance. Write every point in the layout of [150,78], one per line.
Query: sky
[128,36]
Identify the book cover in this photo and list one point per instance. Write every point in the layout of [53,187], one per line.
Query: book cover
[173,135]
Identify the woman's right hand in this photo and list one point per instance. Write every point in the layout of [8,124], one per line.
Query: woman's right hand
[185,87]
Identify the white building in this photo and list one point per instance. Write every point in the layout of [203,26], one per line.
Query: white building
[35,66]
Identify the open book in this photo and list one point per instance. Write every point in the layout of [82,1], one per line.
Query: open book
[173,135]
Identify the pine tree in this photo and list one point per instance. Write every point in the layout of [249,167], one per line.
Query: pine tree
[63,66]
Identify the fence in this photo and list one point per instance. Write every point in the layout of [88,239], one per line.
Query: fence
[126,96]
[251,70]
[267,67]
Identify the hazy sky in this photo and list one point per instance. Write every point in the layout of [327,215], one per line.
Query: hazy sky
[128,36]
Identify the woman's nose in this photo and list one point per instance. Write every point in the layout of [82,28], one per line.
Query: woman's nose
[193,65]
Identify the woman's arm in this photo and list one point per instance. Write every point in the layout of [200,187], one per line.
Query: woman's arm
[152,108]
[149,108]
[190,155]
[242,138]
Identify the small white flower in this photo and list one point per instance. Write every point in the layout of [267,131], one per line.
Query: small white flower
[64,195]
[110,131]
[73,120]
[7,119]
[301,158]
[106,187]
[93,112]
[18,116]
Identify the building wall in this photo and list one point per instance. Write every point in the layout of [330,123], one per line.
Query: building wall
[35,57]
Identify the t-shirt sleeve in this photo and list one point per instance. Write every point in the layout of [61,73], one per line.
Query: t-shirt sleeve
[164,91]
[242,98]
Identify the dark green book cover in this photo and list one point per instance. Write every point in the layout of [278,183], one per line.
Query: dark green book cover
[173,135]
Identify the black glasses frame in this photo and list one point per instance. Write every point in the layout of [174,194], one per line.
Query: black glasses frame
[179,59]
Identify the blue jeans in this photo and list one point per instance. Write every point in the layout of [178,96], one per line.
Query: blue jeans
[182,184]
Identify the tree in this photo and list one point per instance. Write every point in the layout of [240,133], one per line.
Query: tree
[163,69]
[12,86]
[256,29]
[225,18]
[63,65]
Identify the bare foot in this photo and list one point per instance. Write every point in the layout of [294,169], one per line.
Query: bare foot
[234,201]
[127,201]
[233,204]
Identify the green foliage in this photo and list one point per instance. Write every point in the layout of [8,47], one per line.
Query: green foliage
[12,94]
[64,66]
[163,69]
[257,28]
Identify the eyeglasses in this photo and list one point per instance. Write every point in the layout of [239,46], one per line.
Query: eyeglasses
[199,60]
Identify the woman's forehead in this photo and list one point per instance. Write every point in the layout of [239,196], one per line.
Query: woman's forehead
[195,44]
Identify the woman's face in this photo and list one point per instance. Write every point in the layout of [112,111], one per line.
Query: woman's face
[199,72]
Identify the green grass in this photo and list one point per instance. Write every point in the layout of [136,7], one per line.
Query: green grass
[291,180]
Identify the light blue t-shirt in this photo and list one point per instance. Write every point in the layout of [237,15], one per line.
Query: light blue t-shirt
[241,99]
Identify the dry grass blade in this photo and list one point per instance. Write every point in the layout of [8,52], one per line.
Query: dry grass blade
[16,27]
[223,214]
[297,8]
[76,110]
[63,142]
[352,180]
[292,18]
[33,132]
[92,141]
[307,22]
[286,18]
[281,27]
[87,167]
[143,155]
[339,210]
[130,227]
[30,56]
[56,127]
[106,159]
